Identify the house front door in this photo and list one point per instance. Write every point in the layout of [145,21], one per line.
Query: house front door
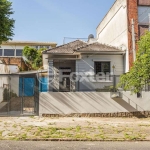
[64,85]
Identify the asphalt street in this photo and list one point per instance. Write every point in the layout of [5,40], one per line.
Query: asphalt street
[40,145]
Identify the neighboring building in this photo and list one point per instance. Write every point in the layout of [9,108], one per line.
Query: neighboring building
[116,27]
[4,80]
[11,51]
[19,61]
[85,60]
[14,48]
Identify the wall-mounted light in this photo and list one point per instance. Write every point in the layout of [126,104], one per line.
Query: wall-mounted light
[113,68]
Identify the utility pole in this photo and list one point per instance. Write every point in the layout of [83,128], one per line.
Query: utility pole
[133,40]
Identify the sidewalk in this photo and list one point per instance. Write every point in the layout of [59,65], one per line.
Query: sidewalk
[75,129]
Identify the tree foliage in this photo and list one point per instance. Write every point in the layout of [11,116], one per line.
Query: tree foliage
[33,56]
[6,23]
[139,74]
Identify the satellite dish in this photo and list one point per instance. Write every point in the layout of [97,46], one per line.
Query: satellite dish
[91,36]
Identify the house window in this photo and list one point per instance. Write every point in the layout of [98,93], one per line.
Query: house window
[9,52]
[19,52]
[1,52]
[102,67]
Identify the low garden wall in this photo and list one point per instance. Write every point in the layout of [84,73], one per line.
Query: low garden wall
[98,103]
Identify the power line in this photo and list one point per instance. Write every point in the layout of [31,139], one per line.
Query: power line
[118,35]
[73,38]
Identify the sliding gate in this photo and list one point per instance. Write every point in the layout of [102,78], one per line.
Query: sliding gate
[19,95]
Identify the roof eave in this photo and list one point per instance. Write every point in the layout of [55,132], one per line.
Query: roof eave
[103,52]
[62,53]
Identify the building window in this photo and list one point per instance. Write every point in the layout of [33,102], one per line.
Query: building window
[1,52]
[19,52]
[143,29]
[102,67]
[9,52]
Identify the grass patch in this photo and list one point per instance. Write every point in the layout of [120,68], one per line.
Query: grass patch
[78,128]
[14,126]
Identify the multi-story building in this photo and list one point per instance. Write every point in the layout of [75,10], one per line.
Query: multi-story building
[14,48]
[123,25]
[11,51]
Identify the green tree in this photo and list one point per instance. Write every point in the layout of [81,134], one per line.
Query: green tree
[6,23]
[30,53]
[139,74]
[38,59]
[33,56]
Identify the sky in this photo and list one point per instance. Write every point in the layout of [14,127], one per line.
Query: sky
[52,20]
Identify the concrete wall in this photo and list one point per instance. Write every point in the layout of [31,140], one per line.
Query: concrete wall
[4,80]
[4,69]
[1,94]
[113,28]
[140,104]
[14,82]
[86,66]
[45,61]
[91,102]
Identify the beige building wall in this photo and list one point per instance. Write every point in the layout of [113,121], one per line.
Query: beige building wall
[113,28]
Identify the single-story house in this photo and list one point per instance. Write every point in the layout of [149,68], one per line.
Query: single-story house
[80,74]
[83,66]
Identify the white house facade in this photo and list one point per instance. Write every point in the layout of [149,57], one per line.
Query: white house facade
[80,66]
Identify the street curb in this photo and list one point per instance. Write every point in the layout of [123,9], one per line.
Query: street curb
[82,140]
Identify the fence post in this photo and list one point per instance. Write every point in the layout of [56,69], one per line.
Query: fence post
[9,95]
[114,83]
[22,94]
